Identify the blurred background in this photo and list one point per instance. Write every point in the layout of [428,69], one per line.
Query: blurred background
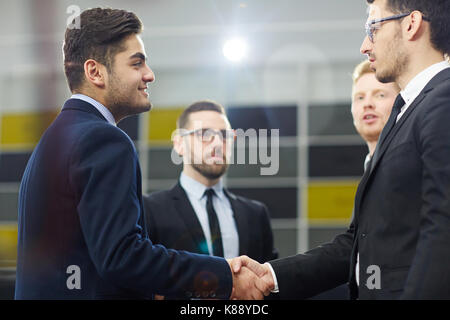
[289,70]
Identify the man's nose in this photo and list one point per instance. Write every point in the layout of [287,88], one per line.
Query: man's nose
[149,76]
[217,138]
[366,46]
[368,103]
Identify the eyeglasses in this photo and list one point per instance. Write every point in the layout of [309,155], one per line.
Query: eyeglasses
[207,135]
[375,24]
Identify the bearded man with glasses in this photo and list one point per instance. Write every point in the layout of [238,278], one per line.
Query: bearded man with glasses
[199,214]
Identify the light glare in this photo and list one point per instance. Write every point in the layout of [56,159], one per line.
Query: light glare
[235,49]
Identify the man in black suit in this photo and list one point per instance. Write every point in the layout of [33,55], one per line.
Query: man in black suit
[81,225]
[185,217]
[372,103]
[397,245]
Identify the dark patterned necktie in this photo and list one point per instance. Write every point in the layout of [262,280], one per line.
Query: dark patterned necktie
[216,236]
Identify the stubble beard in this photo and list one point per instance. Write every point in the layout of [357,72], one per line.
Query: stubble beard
[398,62]
[370,134]
[119,100]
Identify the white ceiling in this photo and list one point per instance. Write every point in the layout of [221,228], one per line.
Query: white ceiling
[190,33]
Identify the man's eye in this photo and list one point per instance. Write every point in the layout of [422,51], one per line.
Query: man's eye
[138,64]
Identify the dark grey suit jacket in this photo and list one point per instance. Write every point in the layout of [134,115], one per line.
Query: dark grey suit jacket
[171,221]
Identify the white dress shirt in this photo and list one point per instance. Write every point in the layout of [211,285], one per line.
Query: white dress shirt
[196,195]
[416,85]
[101,108]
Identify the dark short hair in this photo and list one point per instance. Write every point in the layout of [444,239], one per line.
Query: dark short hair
[437,11]
[204,105]
[100,36]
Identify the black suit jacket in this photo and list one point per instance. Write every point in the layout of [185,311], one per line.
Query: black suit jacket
[402,215]
[171,221]
[80,206]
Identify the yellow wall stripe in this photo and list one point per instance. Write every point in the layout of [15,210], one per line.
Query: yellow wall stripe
[331,202]
[8,245]
[24,129]
[162,122]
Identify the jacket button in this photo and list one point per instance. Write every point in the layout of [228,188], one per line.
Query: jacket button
[363,235]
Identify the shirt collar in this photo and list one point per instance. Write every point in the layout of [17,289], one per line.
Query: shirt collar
[416,85]
[366,161]
[197,189]
[100,107]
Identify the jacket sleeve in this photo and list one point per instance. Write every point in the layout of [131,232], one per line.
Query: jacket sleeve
[103,173]
[325,267]
[270,252]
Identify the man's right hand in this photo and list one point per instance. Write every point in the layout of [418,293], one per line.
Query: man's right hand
[251,280]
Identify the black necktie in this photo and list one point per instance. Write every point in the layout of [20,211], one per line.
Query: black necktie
[216,236]
[398,104]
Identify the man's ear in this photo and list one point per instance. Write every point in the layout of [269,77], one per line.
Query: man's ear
[415,27]
[178,144]
[95,73]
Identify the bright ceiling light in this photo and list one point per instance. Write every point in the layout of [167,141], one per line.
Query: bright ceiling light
[235,49]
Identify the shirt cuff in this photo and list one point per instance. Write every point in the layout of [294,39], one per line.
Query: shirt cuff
[275,281]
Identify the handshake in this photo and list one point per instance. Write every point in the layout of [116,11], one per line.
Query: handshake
[251,280]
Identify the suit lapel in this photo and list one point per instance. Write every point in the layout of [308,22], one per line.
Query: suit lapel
[359,193]
[184,209]
[440,77]
[242,223]
[383,147]
[388,139]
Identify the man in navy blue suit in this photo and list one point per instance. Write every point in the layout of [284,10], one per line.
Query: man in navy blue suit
[82,233]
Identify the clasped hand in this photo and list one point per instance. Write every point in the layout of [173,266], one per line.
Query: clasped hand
[251,280]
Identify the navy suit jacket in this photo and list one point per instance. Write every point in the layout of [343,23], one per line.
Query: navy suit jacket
[80,206]
[401,221]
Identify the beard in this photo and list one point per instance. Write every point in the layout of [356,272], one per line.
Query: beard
[396,64]
[211,171]
[122,99]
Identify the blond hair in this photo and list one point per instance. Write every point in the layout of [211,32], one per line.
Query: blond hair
[364,68]
[361,69]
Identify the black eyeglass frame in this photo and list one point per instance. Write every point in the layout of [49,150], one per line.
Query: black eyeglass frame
[224,134]
[369,24]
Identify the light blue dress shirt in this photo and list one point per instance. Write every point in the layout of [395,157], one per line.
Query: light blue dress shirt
[195,192]
[101,108]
